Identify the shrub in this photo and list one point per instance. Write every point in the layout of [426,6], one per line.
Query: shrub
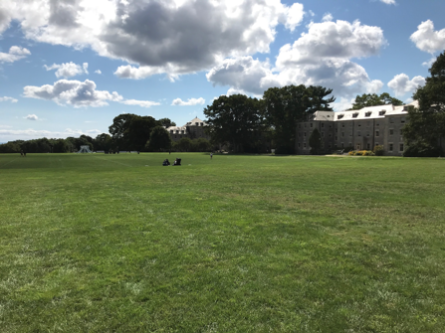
[421,149]
[379,151]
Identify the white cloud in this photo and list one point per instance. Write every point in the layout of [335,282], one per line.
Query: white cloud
[429,63]
[389,2]
[143,104]
[98,71]
[139,73]
[69,69]
[8,99]
[32,117]
[79,94]
[327,17]
[74,93]
[15,53]
[190,101]
[342,104]
[168,36]
[401,84]
[322,56]
[427,39]
[27,134]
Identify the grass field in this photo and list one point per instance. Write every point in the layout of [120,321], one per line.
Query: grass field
[118,243]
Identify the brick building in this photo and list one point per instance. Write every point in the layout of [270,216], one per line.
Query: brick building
[361,129]
[194,129]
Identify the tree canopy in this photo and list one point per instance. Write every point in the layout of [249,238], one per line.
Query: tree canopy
[235,119]
[374,100]
[286,106]
[159,139]
[426,124]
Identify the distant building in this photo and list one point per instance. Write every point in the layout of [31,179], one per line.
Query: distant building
[358,129]
[194,129]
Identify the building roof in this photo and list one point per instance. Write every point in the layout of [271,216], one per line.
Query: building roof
[196,121]
[370,112]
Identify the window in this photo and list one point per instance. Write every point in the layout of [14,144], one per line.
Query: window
[322,134]
[368,146]
[304,125]
[367,134]
[359,133]
[391,147]
[401,147]
[343,145]
[171,132]
[304,134]
[391,119]
[377,124]
[382,113]
[342,125]
[355,115]
[391,132]
[402,120]
[202,124]
[311,124]
[377,133]
[359,125]
[299,145]
[304,145]
[182,132]
[368,114]
[340,116]
[342,133]
[358,146]
[377,144]
[322,124]
[368,123]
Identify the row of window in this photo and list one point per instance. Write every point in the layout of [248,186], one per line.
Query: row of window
[358,146]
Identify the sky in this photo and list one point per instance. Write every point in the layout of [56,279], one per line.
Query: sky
[68,67]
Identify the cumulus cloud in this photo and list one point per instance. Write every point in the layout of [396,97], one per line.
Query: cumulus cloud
[427,39]
[69,69]
[143,104]
[322,56]
[429,63]
[401,84]
[189,102]
[74,93]
[32,117]
[79,94]
[327,17]
[389,2]
[139,73]
[98,71]
[9,134]
[8,99]
[15,53]
[167,36]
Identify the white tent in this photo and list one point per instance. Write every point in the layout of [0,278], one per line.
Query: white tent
[84,149]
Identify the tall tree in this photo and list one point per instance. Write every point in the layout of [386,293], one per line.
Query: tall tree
[138,131]
[236,120]
[374,100]
[288,105]
[166,122]
[426,126]
[315,142]
[159,139]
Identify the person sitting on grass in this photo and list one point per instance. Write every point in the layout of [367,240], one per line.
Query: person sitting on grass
[177,162]
[166,162]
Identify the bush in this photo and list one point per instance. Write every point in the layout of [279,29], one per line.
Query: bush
[421,149]
[379,151]
[361,153]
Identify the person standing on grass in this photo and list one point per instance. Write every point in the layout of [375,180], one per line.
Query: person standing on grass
[211,156]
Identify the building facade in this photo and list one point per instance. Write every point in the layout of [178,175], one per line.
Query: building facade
[357,129]
[194,129]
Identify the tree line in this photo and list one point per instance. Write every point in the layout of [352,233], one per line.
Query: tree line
[244,124]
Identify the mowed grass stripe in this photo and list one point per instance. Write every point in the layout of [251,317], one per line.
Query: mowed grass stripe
[236,244]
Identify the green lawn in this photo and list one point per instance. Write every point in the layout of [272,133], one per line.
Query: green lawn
[118,243]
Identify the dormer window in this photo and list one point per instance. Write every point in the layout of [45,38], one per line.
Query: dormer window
[382,113]
[368,114]
[355,115]
[340,116]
